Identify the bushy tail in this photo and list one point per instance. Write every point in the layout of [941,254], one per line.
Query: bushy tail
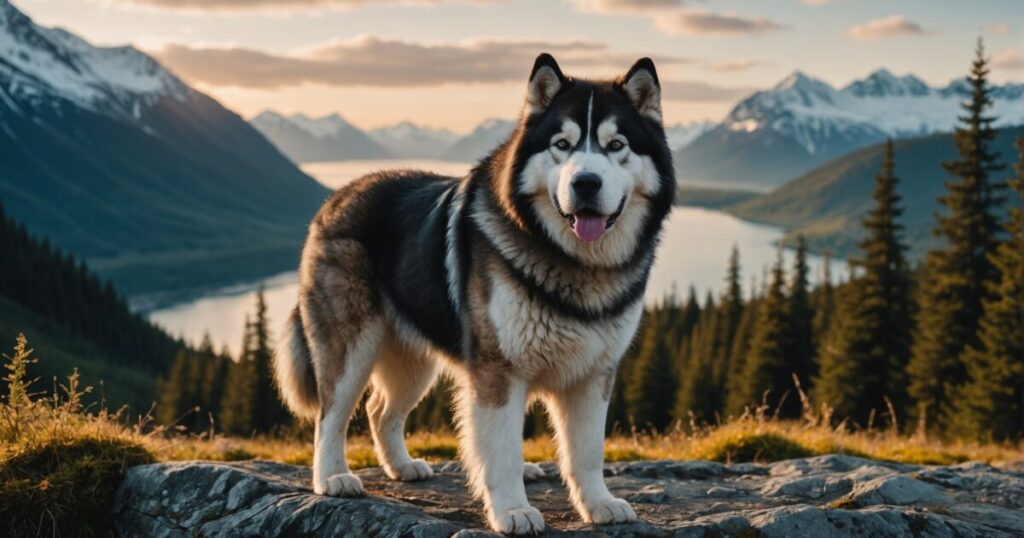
[293,369]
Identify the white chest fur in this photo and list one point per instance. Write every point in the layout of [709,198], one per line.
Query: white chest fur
[550,349]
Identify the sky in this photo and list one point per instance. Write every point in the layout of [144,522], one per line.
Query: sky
[453,63]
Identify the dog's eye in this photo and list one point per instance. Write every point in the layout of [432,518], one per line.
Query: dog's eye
[562,144]
[616,145]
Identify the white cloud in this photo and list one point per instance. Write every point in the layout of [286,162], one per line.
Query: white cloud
[377,62]
[706,23]
[886,27]
[1009,59]
[280,5]
[625,7]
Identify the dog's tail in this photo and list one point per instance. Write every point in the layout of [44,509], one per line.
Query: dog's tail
[293,369]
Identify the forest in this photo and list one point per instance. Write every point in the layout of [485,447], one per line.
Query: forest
[935,346]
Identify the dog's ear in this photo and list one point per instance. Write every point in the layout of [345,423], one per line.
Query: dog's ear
[642,87]
[546,80]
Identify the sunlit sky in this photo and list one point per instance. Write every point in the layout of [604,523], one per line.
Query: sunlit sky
[454,63]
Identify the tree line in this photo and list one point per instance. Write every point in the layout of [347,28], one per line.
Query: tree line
[60,288]
[938,344]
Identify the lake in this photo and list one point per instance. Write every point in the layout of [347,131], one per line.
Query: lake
[694,251]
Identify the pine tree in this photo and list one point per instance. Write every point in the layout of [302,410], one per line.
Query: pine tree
[730,316]
[767,372]
[866,354]
[650,392]
[957,274]
[800,337]
[268,411]
[176,396]
[991,403]
[823,302]
[236,408]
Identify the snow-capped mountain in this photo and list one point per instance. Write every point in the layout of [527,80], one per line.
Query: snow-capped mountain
[681,134]
[305,139]
[410,141]
[39,63]
[112,157]
[477,144]
[777,134]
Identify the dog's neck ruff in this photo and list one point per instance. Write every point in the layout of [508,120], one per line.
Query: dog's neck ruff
[564,284]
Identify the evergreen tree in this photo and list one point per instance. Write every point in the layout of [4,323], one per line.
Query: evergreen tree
[823,302]
[957,274]
[991,403]
[650,392]
[268,410]
[236,408]
[767,372]
[176,396]
[800,337]
[865,357]
[730,316]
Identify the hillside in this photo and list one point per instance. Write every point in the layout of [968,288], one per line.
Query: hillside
[157,185]
[802,122]
[74,320]
[306,140]
[827,204]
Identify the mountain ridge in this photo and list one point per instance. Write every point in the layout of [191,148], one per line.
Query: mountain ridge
[777,134]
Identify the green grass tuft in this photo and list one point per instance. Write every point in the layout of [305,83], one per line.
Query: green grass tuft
[65,487]
[755,447]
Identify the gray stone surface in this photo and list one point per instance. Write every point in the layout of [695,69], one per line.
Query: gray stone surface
[823,496]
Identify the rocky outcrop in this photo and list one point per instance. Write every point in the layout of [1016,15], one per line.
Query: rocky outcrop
[821,496]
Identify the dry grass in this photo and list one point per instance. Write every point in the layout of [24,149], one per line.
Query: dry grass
[60,463]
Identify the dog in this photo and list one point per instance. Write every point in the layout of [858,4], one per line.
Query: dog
[523,280]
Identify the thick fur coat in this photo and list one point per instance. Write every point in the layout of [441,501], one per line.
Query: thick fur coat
[524,280]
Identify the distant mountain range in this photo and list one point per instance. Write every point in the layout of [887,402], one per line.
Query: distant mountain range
[331,138]
[828,204]
[778,134]
[158,186]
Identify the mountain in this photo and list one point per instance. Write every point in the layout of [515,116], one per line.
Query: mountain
[827,204]
[781,133]
[477,144]
[155,184]
[681,134]
[410,141]
[330,138]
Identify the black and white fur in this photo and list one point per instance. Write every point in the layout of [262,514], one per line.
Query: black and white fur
[504,278]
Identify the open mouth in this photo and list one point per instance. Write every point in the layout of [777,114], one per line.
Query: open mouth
[589,225]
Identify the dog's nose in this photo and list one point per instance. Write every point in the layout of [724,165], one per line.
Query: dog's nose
[586,184]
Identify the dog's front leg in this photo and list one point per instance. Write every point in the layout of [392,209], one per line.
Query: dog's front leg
[493,453]
[579,415]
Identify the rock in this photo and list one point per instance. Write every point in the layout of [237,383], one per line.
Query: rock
[897,489]
[824,496]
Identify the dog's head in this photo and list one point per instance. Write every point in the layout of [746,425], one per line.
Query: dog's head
[590,168]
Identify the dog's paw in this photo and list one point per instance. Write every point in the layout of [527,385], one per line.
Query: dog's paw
[342,485]
[532,471]
[412,471]
[611,511]
[518,521]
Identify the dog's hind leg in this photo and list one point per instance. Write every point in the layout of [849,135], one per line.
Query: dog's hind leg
[578,414]
[401,377]
[344,329]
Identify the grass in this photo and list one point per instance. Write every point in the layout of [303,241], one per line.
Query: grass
[61,462]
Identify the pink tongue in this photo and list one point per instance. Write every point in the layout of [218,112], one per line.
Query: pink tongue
[590,228]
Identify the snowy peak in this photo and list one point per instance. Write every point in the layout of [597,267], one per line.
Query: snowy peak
[36,62]
[325,127]
[814,114]
[882,83]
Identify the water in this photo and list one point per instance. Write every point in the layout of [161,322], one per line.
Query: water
[694,251]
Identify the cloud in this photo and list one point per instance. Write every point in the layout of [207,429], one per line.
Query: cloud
[680,90]
[998,29]
[1010,59]
[377,62]
[816,2]
[732,66]
[625,7]
[280,5]
[706,23]
[886,27]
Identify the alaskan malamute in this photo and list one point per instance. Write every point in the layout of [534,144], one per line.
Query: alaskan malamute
[524,280]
